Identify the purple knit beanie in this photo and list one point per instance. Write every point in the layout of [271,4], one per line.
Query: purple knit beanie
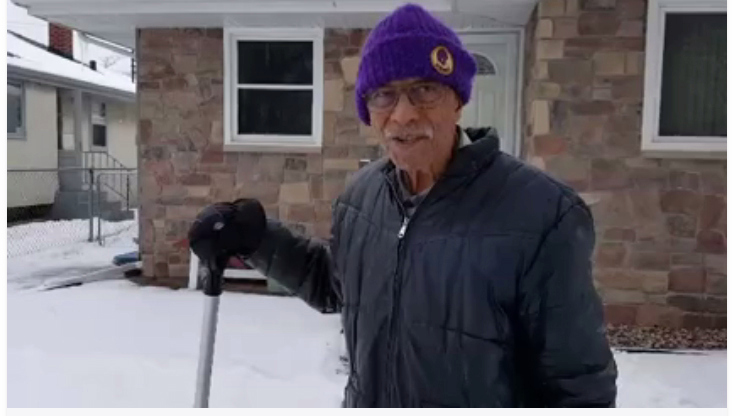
[410,43]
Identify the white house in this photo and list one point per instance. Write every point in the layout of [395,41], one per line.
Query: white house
[62,112]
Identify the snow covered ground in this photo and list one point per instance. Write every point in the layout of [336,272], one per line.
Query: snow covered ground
[42,251]
[114,344]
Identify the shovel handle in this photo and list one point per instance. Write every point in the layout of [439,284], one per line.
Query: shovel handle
[212,282]
[212,276]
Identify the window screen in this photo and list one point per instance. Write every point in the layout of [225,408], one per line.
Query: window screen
[693,99]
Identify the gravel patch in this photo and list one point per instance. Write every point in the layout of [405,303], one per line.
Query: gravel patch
[667,338]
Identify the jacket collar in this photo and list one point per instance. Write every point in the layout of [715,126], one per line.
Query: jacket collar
[469,159]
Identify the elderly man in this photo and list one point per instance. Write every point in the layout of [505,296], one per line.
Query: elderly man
[462,274]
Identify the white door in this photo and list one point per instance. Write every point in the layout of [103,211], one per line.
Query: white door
[493,101]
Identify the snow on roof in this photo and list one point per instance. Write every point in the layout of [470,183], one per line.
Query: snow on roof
[25,54]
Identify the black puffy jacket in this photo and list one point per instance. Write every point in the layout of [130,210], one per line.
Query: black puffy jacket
[484,299]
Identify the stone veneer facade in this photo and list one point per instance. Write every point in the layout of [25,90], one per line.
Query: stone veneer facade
[661,254]
[181,137]
[661,223]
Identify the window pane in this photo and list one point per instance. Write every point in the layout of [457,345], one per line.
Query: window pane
[485,66]
[274,112]
[275,62]
[694,86]
[15,109]
[98,109]
[100,135]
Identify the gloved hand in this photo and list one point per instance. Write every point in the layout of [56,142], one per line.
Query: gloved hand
[227,229]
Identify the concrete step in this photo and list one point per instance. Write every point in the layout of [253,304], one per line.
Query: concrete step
[69,159]
[117,215]
[74,205]
[72,181]
[70,205]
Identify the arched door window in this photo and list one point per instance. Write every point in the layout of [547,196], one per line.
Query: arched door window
[485,66]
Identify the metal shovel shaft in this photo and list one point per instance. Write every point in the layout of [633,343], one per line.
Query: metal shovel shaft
[207,342]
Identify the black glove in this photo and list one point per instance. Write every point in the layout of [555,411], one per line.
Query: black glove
[227,229]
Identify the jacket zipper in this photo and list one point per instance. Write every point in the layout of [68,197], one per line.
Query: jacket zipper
[392,347]
[404,225]
[395,299]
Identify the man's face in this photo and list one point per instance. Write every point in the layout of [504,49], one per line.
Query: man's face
[417,122]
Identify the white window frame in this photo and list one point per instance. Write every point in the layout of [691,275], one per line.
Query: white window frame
[22,87]
[671,146]
[272,142]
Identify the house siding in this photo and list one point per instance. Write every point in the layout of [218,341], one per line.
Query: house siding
[38,147]
[181,154]
[36,150]
[121,121]
[661,223]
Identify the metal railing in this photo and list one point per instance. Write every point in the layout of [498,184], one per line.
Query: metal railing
[117,189]
[71,201]
[103,161]
[98,159]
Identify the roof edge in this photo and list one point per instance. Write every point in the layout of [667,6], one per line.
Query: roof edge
[65,82]
[48,8]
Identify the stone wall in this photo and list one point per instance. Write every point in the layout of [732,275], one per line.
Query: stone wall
[661,223]
[181,136]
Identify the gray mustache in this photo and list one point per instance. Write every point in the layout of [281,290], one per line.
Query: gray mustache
[407,134]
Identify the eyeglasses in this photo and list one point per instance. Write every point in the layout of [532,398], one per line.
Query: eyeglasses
[420,94]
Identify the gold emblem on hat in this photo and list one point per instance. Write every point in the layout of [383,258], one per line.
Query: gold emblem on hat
[442,60]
